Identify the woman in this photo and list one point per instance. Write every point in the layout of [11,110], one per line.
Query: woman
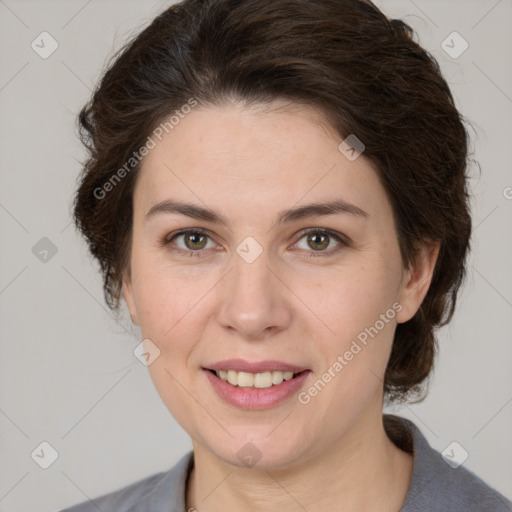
[278,191]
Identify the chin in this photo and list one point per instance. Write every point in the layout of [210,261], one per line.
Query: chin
[260,453]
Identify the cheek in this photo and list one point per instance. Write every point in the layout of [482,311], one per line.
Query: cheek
[169,308]
[164,295]
[358,305]
[360,308]
[353,298]
[173,306]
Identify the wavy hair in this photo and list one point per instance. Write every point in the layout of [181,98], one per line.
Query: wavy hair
[366,74]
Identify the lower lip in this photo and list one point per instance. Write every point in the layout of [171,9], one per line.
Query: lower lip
[256,398]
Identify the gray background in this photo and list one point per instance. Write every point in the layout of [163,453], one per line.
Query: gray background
[68,375]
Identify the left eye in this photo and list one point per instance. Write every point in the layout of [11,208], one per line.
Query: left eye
[193,240]
[319,241]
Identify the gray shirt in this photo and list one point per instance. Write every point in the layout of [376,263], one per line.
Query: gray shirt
[435,486]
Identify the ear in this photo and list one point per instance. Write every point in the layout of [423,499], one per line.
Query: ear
[416,281]
[127,290]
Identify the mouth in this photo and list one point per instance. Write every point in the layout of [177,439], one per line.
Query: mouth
[260,380]
[264,388]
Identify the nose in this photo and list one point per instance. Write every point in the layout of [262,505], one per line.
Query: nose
[254,301]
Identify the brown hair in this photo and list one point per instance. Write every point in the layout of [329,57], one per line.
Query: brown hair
[365,72]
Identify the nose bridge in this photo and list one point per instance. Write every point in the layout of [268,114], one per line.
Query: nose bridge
[254,302]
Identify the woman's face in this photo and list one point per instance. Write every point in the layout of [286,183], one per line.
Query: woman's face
[258,288]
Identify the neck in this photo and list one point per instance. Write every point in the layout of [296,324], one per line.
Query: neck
[362,468]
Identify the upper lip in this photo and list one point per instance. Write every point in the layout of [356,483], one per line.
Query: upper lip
[240,365]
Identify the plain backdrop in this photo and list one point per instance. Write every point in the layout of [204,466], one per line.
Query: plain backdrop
[68,375]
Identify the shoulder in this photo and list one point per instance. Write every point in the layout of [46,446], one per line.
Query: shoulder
[437,486]
[151,494]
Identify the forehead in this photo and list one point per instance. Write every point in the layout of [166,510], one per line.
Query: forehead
[265,155]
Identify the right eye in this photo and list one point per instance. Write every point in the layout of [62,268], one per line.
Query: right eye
[193,241]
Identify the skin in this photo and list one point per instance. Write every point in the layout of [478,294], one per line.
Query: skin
[249,164]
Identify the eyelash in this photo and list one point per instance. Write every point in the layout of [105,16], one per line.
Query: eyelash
[166,242]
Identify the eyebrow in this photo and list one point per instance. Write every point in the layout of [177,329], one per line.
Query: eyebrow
[286,216]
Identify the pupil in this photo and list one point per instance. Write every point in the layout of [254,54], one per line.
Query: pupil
[323,243]
[195,239]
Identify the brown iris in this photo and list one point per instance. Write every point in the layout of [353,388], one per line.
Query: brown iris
[321,241]
[197,240]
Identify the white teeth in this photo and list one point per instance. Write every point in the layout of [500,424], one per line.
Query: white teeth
[245,380]
[277,377]
[256,380]
[262,380]
[232,377]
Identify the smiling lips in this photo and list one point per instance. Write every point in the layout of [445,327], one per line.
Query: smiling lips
[255,385]
[262,374]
